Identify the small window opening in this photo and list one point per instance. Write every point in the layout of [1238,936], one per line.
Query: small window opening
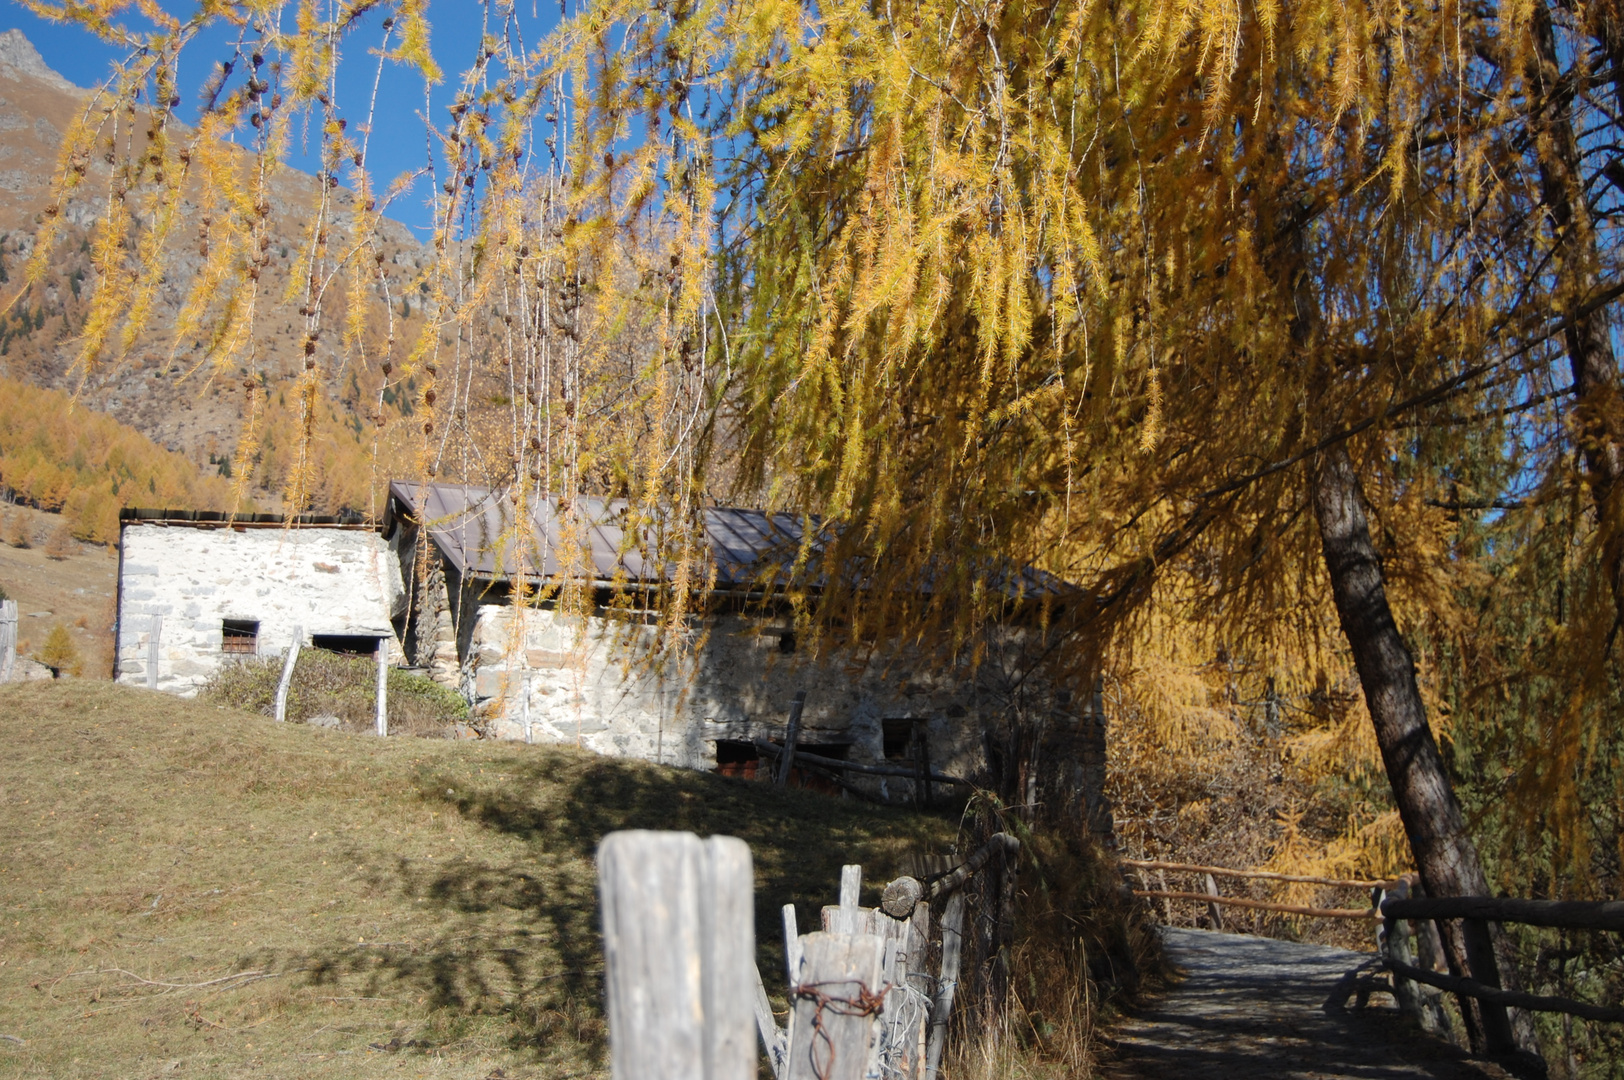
[348,644]
[897,734]
[786,642]
[735,757]
[239,637]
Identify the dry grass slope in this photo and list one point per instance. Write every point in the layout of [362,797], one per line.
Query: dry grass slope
[191,891]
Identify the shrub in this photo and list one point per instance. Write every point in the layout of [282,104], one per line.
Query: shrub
[17,530]
[330,684]
[60,544]
[60,652]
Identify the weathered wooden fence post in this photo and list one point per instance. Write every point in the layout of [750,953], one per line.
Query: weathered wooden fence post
[154,636]
[383,686]
[8,639]
[287,673]
[679,954]
[792,735]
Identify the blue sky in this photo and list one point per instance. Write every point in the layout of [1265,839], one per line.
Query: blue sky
[397,144]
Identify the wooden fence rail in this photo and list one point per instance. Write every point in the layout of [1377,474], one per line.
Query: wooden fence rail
[1265,875]
[1561,914]
[1260,905]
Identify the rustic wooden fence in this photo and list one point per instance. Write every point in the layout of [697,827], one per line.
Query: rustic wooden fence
[1409,942]
[687,1000]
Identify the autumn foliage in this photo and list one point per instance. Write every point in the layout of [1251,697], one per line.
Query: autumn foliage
[88,466]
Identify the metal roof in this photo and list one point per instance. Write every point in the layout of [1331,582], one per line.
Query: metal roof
[474,527]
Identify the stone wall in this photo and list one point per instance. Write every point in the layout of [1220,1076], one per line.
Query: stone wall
[585,685]
[325,580]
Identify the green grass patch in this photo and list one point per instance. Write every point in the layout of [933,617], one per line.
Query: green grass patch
[331,684]
[193,890]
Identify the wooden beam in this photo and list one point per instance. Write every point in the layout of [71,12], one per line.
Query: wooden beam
[1564,914]
[1266,875]
[792,735]
[1515,999]
[772,749]
[1262,905]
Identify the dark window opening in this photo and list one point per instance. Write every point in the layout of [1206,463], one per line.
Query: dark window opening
[786,642]
[239,637]
[735,757]
[348,644]
[897,736]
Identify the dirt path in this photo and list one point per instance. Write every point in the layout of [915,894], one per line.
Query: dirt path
[1252,1009]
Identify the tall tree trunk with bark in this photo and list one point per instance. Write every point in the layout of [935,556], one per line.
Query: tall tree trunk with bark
[1599,403]
[1444,853]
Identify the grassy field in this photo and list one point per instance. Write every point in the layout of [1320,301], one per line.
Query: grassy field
[191,891]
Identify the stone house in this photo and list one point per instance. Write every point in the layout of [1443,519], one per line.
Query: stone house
[535,673]
[197,589]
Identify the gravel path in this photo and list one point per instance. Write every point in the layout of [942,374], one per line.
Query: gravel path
[1252,1008]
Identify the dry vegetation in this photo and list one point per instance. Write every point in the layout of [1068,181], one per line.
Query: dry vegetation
[194,891]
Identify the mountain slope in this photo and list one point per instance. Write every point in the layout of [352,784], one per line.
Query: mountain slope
[160,386]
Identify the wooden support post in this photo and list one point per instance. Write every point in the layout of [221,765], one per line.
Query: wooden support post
[524,705]
[284,682]
[679,949]
[942,1007]
[851,886]
[1212,909]
[837,1007]
[382,692]
[792,948]
[1396,942]
[921,766]
[154,636]
[8,640]
[792,735]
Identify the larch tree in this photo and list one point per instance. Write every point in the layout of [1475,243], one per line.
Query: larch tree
[1232,308]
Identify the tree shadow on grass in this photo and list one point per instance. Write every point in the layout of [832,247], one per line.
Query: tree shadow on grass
[526,945]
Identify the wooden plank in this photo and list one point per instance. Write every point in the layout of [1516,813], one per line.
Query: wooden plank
[8,640]
[773,1042]
[283,683]
[792,735]
[838,1005]
[947,984]
[154,637]
[1262,905]
[851,887]
[1563,914]
[792,948]
[381,692]
[727,913]
[1266,875]
[679,943]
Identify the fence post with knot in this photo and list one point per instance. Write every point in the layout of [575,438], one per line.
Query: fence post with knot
[679,947]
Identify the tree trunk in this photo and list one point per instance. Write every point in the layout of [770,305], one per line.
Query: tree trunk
[1444,853]
[1599,405]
